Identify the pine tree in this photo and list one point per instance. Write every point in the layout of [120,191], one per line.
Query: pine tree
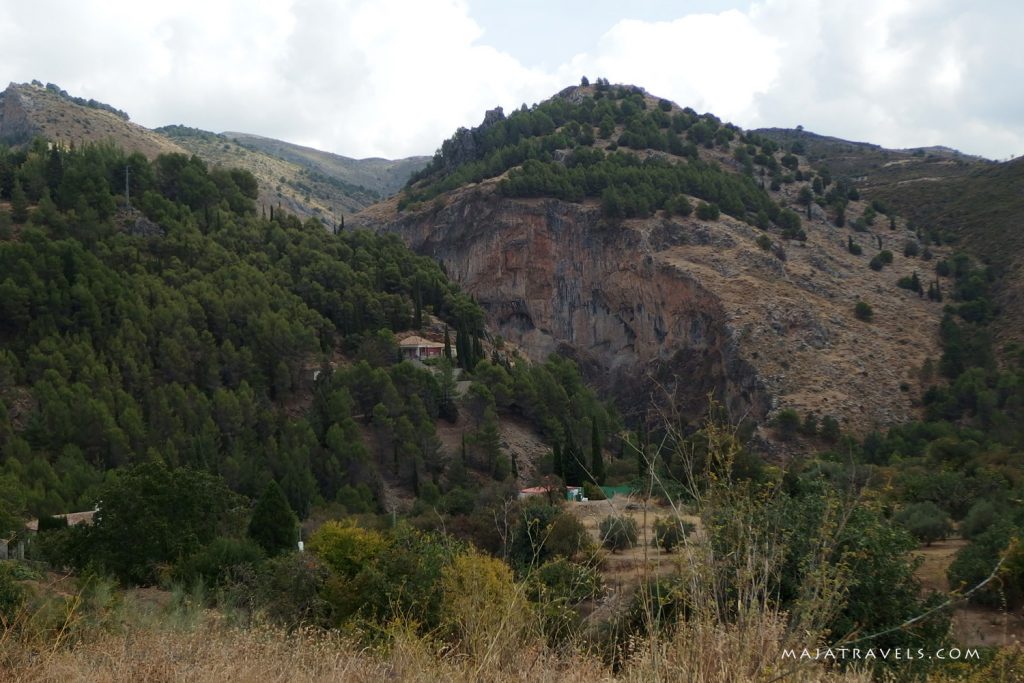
[273,525]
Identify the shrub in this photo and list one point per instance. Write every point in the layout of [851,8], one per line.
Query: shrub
[830,431]
[786,423]
[926,521]
[764,242]
[976,561]
[481,607]
[911,248]
[810,425]
[12,594]
[863,311]
[913,283]
[346,548]
[592,491]
[670,532]
[708,212]
[618,532]
[979,518]
[853,247]
[566,581]
[223,561]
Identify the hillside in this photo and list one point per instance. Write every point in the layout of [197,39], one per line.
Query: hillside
[573,226]
[973,203]
[301,180]
[383,177]
[31,110]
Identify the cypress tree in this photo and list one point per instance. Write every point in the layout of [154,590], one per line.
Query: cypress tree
[417,318]
[447,344]
[19,203]
[557,464]
[641,452]
[478,350]
[597,469]
[273,525]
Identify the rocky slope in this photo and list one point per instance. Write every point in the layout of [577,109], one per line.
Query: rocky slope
[300,180]
[30,110]
[975,203]
[382,177]
[303,181]
[686,307]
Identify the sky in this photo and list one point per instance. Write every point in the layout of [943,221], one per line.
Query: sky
[393,78]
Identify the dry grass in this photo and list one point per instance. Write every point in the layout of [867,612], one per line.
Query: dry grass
[210,651]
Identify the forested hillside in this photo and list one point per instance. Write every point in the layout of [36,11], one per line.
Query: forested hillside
[190,330]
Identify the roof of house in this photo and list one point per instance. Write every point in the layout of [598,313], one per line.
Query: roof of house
[538,489]
[415,342]
[74,519]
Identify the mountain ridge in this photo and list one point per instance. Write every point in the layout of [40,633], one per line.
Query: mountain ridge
[313,183]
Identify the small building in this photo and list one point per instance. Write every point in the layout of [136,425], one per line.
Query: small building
[574,494]
[12,548]
[419,348]
[73,519]
[536,491]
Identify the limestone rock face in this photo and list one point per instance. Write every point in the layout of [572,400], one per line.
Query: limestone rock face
[680,307]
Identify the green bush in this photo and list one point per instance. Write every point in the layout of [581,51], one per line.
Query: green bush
[926,521]
[830,431]
[863,311]
[563,580]
[592,491]
[222,562]
[669,532]
[979,518]
[12,594]
[708,212]
[787,424]
[618,532]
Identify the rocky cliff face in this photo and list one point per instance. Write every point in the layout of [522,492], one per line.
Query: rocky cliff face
[15,125]
[684,307]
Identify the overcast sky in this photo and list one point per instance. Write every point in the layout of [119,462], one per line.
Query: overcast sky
[393,78]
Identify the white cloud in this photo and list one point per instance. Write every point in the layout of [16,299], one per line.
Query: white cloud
[395,77]
[711,62]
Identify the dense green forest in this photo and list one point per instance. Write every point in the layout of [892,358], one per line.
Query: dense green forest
[577,149]
[188,330]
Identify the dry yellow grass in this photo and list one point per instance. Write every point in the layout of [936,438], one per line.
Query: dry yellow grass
[211,652]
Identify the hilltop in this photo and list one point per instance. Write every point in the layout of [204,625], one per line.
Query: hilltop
[30,110]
